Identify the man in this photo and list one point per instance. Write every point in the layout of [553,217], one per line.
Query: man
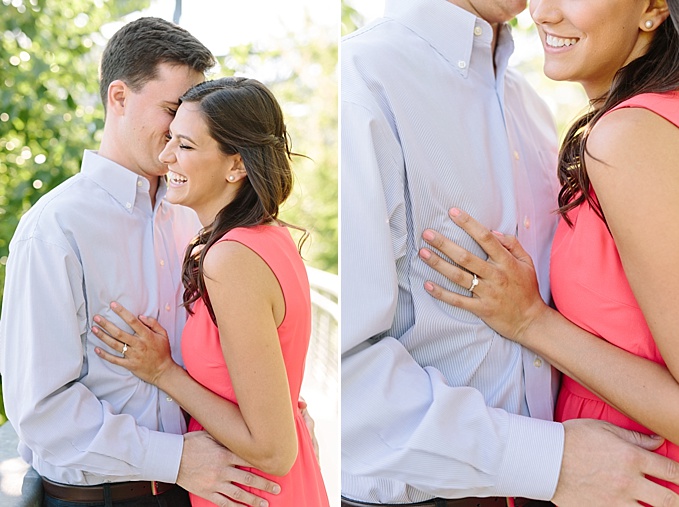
[95,432]
[435,405]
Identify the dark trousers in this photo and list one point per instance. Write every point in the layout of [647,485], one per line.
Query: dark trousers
[176,497]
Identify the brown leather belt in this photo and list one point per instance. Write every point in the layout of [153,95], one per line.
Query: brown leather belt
[459,502]
[120,491]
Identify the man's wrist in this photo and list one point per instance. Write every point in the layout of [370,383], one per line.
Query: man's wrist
[532,458]
[162,457]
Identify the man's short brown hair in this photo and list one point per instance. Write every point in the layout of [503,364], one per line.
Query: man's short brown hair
[135,51]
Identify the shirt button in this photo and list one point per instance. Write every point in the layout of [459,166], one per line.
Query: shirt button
[167,307]
[169,398]
[462,64]
[162,262]
[526,223]
[537,363]
[139,183]
[128,205]
[516,155]
[478,31]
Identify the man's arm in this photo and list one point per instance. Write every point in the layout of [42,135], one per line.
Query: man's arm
[401,421]
[43,356]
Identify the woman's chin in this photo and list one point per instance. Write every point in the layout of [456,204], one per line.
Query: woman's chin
[556,73]
[173,197]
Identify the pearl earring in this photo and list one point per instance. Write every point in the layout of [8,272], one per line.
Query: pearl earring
[232,178]
[648,24]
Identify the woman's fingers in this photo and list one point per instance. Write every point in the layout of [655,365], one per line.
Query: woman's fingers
[456,253]
[129,318]
[153,325]
[479,233]
[452,298]
[512,245]
[140,325]
[114,331]
[450,271]
[109,357]
[114,343]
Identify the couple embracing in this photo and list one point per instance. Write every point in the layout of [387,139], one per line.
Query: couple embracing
[473,258]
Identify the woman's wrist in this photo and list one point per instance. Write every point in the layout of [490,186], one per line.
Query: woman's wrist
[168,376]
[532,330]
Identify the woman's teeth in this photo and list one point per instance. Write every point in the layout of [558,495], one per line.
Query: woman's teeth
[557,42]
[177,179]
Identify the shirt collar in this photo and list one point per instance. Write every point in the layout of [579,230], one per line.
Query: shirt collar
[120,183]
[451,30]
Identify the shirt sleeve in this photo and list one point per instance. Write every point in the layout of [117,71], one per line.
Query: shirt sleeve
[43,340]
[401,421]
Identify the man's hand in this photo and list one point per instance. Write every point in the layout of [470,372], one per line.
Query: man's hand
[604,465]
[311,426]
[208,469]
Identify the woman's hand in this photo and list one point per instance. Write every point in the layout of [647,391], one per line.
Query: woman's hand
[145,353]
[504,292]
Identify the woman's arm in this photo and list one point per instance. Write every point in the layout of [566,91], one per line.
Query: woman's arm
[637,188]
[249,306]
[633,169]
[638,387]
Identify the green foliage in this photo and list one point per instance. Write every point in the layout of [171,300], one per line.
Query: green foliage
[351,19]
[49,106]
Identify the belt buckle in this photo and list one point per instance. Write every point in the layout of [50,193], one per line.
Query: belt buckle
[154,488]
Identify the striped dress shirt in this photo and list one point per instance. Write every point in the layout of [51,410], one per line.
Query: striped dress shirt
[94,239]
[434,403]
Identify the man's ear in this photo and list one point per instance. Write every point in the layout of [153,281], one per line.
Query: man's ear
[116,97]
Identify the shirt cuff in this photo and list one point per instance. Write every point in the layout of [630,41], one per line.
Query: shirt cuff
[532,461]
[163,456]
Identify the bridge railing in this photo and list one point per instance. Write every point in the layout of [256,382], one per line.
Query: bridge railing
[321,379]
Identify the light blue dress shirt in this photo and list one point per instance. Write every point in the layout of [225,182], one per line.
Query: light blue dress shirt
[434,403]
[92,240]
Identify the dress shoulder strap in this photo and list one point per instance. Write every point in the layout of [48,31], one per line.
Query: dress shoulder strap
[665,105]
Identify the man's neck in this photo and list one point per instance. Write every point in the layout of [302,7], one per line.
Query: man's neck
[153,189]
[493,43]
[108,152]
[467,6]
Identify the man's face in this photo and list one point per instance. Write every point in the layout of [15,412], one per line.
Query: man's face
[147,117]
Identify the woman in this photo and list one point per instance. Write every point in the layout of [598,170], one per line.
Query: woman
[246,290]
[614,271]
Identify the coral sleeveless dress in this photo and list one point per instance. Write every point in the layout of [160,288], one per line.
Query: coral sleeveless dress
[590,289]
[202,352]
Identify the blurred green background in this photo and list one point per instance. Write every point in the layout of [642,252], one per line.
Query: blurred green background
[50,109]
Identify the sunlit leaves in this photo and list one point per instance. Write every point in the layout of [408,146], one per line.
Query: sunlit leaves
[49,105]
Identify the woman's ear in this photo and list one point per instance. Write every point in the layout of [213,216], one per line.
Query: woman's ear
[655,15]
[237,170]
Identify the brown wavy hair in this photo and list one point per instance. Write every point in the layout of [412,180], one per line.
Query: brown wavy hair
[657,71]
[244,117]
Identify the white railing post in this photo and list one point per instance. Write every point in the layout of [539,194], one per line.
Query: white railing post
[320,387]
